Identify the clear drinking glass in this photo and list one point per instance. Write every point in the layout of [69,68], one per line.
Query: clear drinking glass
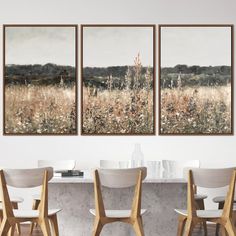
[153,169]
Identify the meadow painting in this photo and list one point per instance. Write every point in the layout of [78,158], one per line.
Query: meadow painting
[40,80]
[118,80]
[195,80]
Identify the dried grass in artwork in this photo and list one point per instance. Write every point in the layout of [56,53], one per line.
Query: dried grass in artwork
[195,80]
[123,106]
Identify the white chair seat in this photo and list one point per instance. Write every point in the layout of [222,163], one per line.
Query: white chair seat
[221,199]
[117,213]
[202,213]
[200,196]
[36,196]
[32,213]
[15,199]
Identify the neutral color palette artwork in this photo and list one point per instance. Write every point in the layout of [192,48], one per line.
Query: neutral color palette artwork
[118,76]
[195,80]
[40,80]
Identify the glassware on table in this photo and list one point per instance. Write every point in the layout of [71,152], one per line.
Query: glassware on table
[124,164]
[137,156]
[153,169]
[169,168]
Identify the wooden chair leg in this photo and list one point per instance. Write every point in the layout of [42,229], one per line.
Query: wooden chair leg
[229,226]
[1,215]
[234,218]
[222,231]
[181,224]
[189,227]
[201,206]
[5,227]
[12,231]
[54,224]
[138,227]
[15,206]
[97,227]
[141,218]
[45,227]
[34,207]
[220,207]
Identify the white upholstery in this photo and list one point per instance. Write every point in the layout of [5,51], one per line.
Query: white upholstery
[32,213]
[117,213]
[58,165]
[211,178]
[203,213]
[200,196]
[120,178]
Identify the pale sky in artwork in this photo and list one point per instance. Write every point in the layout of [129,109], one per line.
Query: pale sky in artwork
[40,45]
[117,46]
[204,46]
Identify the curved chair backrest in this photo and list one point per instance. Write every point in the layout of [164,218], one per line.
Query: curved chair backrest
[211,178]
[58,165]
[26,178]
[121,178]
[109,164]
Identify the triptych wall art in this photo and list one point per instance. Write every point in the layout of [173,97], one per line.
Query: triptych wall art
[118,79]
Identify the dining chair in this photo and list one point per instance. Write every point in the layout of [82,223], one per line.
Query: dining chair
[177,167]
[27,178]
[208,178]
[57,165]
[15,200]
[220,200]
[118,178]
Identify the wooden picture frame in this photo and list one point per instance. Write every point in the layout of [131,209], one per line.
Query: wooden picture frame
[173,116]
[102,128]
[61,78]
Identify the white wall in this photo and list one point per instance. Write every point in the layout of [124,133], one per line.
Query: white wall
[25,151]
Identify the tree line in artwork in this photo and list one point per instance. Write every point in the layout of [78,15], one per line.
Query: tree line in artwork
[195,76]
[99,77]
[48,74]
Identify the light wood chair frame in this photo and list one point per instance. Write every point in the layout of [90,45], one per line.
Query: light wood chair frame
[14,206]
[57,165]
[9,220]
[200,205]
[220,207]
[135,219]
[225,220]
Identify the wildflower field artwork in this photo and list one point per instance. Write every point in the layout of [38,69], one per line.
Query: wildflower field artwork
[40,84]
[118,80]
[195,80]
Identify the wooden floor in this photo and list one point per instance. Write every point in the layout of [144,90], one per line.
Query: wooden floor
[37,231]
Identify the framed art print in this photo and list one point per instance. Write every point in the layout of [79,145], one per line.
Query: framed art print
[40,79]
[118,77]
[195,79]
